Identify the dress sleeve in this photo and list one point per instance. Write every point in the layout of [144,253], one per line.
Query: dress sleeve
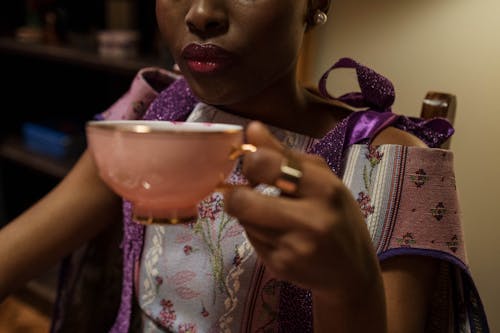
[409,199]
[146,86]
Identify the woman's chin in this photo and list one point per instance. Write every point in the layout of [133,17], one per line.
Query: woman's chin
[214,96]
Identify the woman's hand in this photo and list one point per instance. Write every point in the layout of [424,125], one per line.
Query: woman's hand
[316,237]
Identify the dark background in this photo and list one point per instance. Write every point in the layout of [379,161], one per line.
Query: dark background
[48,88]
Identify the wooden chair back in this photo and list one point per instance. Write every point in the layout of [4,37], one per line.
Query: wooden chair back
[439,104]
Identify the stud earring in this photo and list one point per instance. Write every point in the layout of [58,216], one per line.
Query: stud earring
[319,17]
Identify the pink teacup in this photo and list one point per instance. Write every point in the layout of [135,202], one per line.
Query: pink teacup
[164,168]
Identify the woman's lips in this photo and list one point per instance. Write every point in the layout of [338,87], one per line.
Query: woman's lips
[206,58]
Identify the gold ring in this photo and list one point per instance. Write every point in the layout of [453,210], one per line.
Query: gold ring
[290,174]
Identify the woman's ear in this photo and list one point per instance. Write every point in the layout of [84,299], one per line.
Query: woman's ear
[322,5]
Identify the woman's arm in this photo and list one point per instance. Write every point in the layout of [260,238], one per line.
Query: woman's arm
[408,280]
[407,285]
[73,212]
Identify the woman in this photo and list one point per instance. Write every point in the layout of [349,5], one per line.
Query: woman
[306,259]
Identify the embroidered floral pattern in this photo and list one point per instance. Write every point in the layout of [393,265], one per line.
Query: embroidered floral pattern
[180,280]
[210,292]
[364,201]
[187,328]
[159,281]
[188,249]
[204,312]
[167,314]
[212,234]
[407,240]
[453,244]
[374,157]
[439,211]
[419,178]
[211,207]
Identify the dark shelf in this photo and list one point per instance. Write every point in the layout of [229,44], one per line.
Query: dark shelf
[69,82]
[13,149]
[80,57]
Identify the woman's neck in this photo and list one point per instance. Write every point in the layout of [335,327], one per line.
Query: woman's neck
[290,106]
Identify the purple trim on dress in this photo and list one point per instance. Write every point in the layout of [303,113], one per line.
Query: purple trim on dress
[58,310]
[424,252]
[295,304]
[132,247]
[331,146]
[295,309]
[99,116]
[174,103]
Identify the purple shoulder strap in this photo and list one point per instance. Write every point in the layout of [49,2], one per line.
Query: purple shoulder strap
[377,92]
[376,98]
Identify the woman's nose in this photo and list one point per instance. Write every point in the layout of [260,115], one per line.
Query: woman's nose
[207,18]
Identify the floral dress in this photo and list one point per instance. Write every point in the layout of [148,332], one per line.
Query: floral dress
[200,277]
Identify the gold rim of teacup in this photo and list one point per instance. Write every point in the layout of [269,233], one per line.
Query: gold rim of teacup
[148,220]
[122,126]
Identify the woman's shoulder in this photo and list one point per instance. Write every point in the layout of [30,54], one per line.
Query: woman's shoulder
[394,135]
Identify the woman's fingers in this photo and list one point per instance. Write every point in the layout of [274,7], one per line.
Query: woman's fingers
[258,135]
[292,171]
[296,235]
[275,215]
[266,166]
[281,230]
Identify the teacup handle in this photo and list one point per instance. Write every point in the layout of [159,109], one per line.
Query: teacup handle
[233,155]
[242,150]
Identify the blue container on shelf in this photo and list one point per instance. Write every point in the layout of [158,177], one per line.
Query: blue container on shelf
[55,141]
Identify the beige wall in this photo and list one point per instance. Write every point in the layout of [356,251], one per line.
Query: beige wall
[446,45]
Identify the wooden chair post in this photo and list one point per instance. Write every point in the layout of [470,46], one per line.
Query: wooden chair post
[439,104]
